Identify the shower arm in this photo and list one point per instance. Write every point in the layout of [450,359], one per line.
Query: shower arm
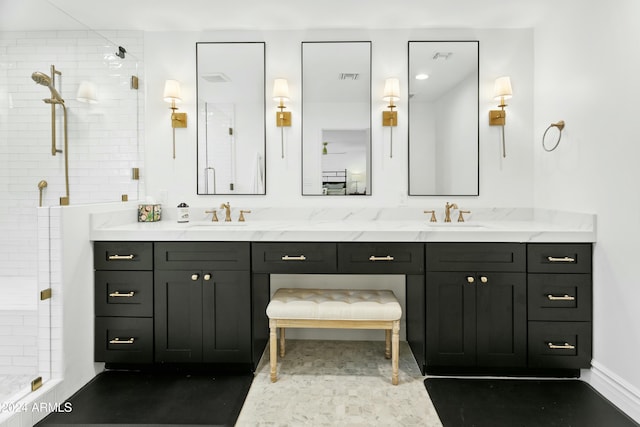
[65,201]
[54,150]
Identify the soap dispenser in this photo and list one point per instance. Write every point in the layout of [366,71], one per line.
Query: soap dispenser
[183,212]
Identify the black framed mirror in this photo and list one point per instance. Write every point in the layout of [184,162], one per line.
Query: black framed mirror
[231,117]
[336,118]
[443,118]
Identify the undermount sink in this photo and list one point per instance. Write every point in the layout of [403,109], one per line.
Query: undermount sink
[212,224]
[458,225]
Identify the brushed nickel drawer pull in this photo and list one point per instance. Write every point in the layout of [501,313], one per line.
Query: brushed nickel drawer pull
[207,276]
[381,258]
[565,346]
[121,257]
[195,277]
[470,279]
[564,297]
[563,259]
[119,341]
[484,279]
[294,258]
[118,294]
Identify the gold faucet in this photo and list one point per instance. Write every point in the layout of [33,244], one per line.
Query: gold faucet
[214,216]
[241,217]
[433,216]
[447,211]
[227,211]
[460,217]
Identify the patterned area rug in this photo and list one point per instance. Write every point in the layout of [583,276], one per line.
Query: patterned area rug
[328,383]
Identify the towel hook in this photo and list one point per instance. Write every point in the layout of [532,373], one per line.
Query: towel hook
[560,126]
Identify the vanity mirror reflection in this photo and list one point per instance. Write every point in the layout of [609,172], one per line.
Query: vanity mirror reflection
[336,118]
[231,117]
[443,118]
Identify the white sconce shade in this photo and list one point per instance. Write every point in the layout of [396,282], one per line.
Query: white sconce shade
[391,89]
[172,91]
[87,92]
[501,91]
[280,90]
[502,88]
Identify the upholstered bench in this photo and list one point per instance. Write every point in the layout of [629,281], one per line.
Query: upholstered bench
[334,308]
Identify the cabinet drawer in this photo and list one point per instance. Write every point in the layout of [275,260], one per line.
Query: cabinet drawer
[559,297]
[559,258]
[123,255]
[202,255]
[124,293]
[294,257]
[563,345]
[124,339]
[381,258]
[475,256]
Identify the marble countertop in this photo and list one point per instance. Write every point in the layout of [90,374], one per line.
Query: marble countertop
[346,225]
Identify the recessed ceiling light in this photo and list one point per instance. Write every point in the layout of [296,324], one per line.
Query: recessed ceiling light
[422,76]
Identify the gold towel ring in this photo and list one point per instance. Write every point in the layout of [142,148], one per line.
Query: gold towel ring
[560,126]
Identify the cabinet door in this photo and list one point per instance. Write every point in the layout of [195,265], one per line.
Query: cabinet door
[226,300]
[178,316]
[501,301]
[451,319]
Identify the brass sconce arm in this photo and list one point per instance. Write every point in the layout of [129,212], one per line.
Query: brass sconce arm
[502,92]
[390,118]
[172,94]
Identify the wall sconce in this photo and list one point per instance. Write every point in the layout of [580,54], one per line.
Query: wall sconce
[173,96]
[87,92]
[283,118]
[390,118]
[501,92]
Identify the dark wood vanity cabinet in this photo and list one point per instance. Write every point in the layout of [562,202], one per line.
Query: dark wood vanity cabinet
[559,305]
[172,302]
[505,305]
[471,307]
[476,309]
[202,302]
[123,301]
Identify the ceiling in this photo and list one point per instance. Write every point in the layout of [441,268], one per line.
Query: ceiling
[204,15]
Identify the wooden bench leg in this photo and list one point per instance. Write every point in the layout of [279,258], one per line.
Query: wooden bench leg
[395,352]
[273,349]
[281,342]
[387,343]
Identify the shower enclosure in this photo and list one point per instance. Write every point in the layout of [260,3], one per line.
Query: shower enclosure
[100,149]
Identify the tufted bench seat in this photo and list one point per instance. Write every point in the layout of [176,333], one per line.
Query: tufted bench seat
[334,308]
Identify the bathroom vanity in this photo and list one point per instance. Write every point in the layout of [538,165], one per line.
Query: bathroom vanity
[508,296]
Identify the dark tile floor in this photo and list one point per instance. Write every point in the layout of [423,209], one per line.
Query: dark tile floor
[522,403]
[135,398]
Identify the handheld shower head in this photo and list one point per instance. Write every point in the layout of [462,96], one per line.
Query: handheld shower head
[41,78]
[44,80]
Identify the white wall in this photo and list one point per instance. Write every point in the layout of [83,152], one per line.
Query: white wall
[586,73]
[503,182]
